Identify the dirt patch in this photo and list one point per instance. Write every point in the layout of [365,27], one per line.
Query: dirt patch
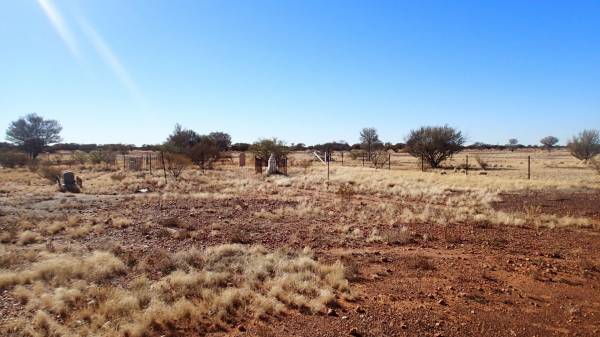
[561,203]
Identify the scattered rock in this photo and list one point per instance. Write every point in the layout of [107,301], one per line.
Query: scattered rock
[354,332]
[331,312]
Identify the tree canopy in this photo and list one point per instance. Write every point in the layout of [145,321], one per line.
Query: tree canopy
[434,143]
[33,133]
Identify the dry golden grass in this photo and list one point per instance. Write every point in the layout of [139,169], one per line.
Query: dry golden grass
[218,285]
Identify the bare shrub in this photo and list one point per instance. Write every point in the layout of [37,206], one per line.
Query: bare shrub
[585,146]
[355,154]
[401,236]
[102,157]
[305,164]
[169,221]
[80,157]
[419,262]
[481,162]
[158,260]
[595,164]
[345,192]
[12,159]
[369,140]
[175,163]
[118,176]
[46,171]
[379,159]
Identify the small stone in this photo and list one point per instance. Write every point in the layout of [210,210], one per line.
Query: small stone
[354,332]
[344,317]
[331,312]
[403,326]
[242,328]
[442,302]
[360,310]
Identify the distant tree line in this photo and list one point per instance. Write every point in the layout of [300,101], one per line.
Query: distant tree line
[32,134]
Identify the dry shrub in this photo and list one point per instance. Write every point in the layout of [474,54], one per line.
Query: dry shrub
[29,237]
[239,234]
[401,236]
[79,232]
[588,266]
[379,158]
[595,164]
[374,236]
[169,221]
[305,164]
[50,173]
[158,260]
[10,257]
[418,262]
[118,176]
[481,162]
[345,192]
[121,222]
[12,159]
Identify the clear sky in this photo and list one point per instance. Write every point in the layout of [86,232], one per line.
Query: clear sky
[304,71]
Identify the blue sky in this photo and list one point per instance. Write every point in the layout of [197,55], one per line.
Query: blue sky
[304,71]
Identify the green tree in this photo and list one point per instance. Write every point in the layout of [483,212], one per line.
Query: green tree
[33,133]
[434,143]
[549,142]
[204,152]
[263,148]
[222,139]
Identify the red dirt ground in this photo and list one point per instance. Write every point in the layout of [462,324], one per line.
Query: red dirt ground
[454,280]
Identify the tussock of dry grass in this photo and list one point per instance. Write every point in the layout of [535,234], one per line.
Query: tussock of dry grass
[219,285]
[58,269]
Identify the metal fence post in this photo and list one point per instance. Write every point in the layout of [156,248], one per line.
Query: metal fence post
[326,153]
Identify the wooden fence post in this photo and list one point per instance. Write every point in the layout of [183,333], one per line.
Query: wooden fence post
[162,159]
[422,164]
[528,167]
[467,166]
[342,158]
[150,162]
[389,161]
